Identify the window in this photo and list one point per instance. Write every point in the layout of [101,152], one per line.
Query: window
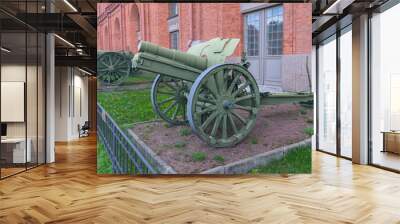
[174,40]
[173,9]
[327,95]
[274,24]
[22,76]
[252,34]
[385,89]
[345,83]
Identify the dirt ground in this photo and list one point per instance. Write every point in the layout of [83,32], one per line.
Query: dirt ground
[276,126]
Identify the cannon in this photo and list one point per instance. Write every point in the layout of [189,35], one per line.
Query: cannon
[219,100]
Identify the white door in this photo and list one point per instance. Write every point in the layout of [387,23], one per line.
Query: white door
[263,45]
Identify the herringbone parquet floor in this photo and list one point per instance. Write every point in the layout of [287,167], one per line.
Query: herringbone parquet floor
[69,191]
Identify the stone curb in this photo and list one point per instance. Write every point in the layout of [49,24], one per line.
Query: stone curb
[245,165]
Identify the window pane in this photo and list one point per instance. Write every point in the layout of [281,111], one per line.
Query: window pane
[174,40]
[252,33]
[173,9]
[385,88]
[346,94]
[327,96]
[274,24]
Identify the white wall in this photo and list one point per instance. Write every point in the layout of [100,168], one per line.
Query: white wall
[71,94]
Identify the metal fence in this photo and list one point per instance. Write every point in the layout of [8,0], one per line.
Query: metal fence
[124,156]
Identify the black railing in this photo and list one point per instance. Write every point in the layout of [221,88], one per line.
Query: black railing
[124,156]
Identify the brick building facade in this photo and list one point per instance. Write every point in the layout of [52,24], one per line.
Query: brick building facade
[279,33]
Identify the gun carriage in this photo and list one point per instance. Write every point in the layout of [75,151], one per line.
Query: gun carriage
[219,100]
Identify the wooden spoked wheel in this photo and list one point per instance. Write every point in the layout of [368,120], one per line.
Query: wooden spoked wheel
[223,104]
[112,68]
[169,98]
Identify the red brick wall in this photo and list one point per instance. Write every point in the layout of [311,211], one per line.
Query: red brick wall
[198,21]
[297,28]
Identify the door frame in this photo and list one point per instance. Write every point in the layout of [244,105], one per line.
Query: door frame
[338,33]
[263,56]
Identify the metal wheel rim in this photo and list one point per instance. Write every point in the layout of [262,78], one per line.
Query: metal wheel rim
[112,72]
[197,123]
[176,104]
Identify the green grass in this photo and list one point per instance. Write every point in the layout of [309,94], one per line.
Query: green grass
[127,107]
[198,156]
[184,131]
[219,159]
[104,165]
[303,111]
[180,144]
[309,131]
[254,141]
[296,161]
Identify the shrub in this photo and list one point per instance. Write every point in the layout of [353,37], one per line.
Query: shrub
[309,131]
[254,141]
[198,156]
[219,159]
[166,125]
[310,120]
[180,144]
[184,131]
[303,112]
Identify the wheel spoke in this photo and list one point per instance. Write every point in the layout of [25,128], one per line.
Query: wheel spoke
[166,93]
[201,105]
[211,85]
[216,125]
[236,106]
[109,61]
[230,89]
[204,100]
[170,107]
[170,86]
[209,119]
[166,100]
[224,126]
[244,98]
[116,62]
[208,109]
[176,111]
[184,112]
[219,79]
[239,117]
[232,123]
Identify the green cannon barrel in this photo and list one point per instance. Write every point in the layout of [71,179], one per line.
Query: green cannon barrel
[178,56]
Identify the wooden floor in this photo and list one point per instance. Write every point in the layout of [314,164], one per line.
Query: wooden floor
[69,191]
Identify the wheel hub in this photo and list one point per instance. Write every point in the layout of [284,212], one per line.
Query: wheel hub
[180,95]
[227,104]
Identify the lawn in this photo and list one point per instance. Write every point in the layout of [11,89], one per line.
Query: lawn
[296,161]
[103,162]
[125,107]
